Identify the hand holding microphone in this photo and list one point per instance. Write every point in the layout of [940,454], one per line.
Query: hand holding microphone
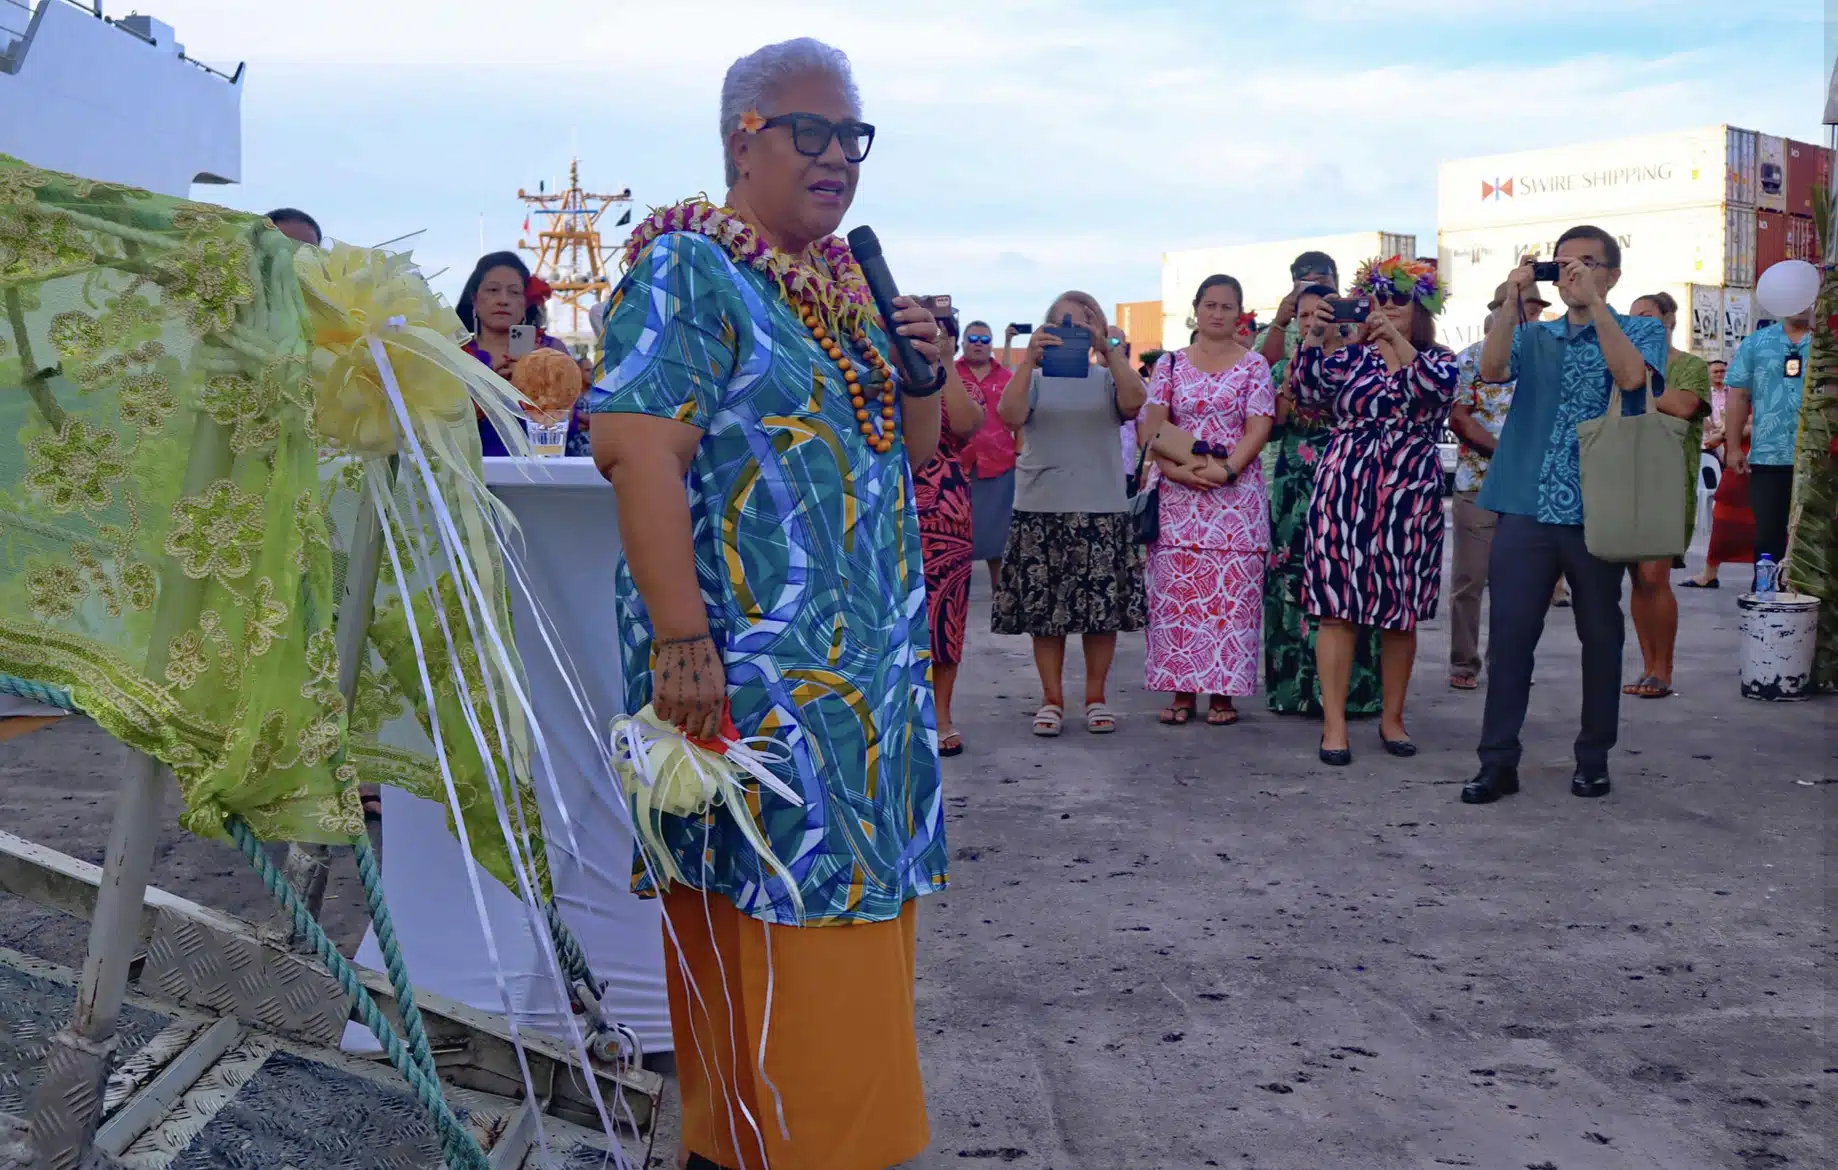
[910,325]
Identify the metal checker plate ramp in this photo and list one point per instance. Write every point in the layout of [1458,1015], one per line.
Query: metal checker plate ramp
[36,1007]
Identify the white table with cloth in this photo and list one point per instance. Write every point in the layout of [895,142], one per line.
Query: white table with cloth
[570,548]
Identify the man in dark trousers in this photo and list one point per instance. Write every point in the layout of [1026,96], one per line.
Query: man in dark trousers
[1563,372]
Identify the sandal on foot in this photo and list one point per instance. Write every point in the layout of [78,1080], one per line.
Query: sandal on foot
[1464,682]
[1639,686]
[1179,715]
[951,744]
[1652,688]
[1048,719]
[1100,719]
[1217,716]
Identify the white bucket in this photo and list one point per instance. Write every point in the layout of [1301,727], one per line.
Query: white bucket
[1777,646]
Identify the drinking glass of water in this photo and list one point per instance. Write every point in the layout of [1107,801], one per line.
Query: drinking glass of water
[548,433]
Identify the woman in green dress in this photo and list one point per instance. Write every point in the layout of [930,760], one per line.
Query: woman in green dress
[1290,684]
[1653,604]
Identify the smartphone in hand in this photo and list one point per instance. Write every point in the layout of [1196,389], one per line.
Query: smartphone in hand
[1022,328]
[523,341]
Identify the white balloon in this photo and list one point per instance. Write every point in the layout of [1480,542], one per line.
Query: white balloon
[1787,288]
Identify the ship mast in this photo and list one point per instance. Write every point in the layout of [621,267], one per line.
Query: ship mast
[568,253]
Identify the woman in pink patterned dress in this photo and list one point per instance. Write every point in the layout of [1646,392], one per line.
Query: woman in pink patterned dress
[1206,568]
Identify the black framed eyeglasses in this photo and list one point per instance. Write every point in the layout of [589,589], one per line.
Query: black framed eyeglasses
[811,134]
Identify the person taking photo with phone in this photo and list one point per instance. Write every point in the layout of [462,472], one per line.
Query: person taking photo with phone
[500,296]
[989,455]
[1073,565]
[1375,525]
[1564,372]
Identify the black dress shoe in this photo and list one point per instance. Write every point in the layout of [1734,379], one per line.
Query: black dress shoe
[1490,785]
[1402,748]
[1584,784]
[1336,757]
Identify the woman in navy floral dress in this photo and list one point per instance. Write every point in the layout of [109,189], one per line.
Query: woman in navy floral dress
[1375,525]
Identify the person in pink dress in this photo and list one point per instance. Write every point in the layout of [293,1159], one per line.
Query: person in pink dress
[1206,567]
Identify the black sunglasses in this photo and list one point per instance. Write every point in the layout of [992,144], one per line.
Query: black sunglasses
[1390,296]
[811,134]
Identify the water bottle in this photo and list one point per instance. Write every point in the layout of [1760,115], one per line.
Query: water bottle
[1764,577]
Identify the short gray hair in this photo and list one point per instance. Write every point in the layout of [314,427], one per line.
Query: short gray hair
[752,81]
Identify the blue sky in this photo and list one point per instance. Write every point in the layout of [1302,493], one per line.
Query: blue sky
[1024,147]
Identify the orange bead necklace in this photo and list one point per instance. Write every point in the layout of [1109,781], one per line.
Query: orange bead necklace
[880,439]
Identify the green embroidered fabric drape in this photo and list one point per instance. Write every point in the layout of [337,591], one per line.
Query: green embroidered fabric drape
[166,543]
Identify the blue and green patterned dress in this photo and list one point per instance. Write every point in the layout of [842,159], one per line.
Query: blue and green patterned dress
[807,552]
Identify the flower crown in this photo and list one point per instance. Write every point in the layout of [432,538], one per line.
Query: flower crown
[1416,279]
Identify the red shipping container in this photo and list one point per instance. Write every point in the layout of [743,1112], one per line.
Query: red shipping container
[1808,166]
[1770,240]
[1802,239]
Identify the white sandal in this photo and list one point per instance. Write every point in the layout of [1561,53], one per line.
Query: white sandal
[1047,720]
[1100,719]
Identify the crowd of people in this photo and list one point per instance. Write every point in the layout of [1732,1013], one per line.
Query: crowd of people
[801,524]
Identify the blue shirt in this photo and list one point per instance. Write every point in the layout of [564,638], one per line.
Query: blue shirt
[1561,379]
[1774,398]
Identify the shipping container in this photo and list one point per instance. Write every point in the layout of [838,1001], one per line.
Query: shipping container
[1739,247]
[1141,322]
[1802,239]
[1770,173]
[1263,270]
[1770,241]
[1808,167]
[1692,168]
[1739,167]
[1720,319]
[1661,251]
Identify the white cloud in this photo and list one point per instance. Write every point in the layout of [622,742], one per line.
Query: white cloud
[1025,146]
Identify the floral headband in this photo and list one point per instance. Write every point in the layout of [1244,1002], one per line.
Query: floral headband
[1416,279]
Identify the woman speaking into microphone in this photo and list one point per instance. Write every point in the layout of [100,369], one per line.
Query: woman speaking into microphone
[761,442]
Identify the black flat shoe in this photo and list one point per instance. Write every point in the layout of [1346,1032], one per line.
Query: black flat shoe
[1694,583]
[1583,784]
[1336,757]
[1402,748]
[1490,785]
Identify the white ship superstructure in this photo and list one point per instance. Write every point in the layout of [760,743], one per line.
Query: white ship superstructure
[114,98]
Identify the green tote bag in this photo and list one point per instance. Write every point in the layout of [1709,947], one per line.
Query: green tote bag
[1633,469]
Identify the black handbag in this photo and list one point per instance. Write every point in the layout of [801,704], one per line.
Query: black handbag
[1145,507]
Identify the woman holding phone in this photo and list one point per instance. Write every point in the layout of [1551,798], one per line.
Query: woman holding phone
[1375,525]
[1072,566]
[499,296]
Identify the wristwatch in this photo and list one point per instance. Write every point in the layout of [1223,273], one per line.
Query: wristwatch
[933,387]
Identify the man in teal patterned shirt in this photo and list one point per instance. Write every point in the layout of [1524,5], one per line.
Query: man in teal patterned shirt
[1766,383]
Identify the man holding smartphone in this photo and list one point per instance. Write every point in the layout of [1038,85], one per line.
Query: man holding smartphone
[989,456]
[1565,372]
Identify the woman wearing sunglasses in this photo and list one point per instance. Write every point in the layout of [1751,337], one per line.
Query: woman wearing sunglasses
[761,450]
[1375,525]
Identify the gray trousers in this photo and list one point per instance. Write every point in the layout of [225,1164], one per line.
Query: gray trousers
[1528,560]
[1473,548]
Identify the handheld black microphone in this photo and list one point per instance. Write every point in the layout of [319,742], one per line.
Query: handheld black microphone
[867,249]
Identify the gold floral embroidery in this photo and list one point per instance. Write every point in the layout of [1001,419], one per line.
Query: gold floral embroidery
[378,702]
[218,534]
[76,336]
[146,400]
[266,754]
[21,184]
[75,468]
[55,591]
[185,663]
[245,404]
[319,741]
[263,626]
[141,585]
[38,245]
[211,275]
